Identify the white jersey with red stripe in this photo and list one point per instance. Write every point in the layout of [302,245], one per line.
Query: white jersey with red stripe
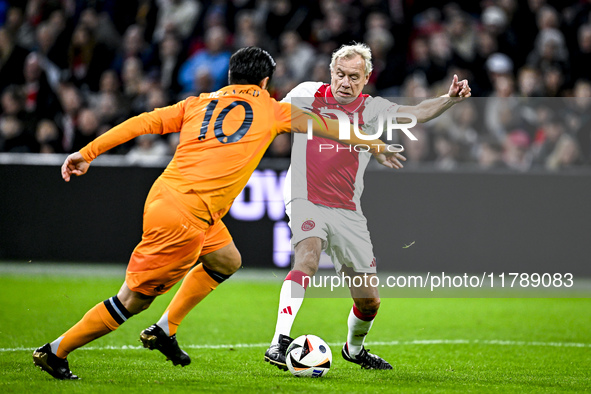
[331,177]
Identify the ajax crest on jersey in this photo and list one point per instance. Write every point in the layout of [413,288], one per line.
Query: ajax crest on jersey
[308,355]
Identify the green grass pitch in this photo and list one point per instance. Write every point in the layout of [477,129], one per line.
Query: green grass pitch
[434,345]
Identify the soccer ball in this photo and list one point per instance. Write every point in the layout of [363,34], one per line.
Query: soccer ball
[308,355]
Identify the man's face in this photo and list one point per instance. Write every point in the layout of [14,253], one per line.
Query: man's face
[347,79]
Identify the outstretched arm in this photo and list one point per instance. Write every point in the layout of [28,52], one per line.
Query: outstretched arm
[387,155]
[160,121]
[432,108]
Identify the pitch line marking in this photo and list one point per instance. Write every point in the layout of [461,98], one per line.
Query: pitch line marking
[493,342]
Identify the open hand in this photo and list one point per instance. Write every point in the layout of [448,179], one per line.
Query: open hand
[390,156]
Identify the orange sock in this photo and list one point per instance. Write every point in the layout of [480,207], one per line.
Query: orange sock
[103,318]
[198,283]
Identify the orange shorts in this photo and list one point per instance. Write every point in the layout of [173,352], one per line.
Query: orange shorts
[172,241]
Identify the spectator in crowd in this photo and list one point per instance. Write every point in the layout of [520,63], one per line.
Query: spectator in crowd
[111,109]
[490,156]
[581,118]
[386,71]
[320,72]
[177,17]
[332,31]
[419,151]
[247,32]
[47,137]
[529,82]
[87,130]
[486,46]
[134,45]
[298,55]
[496,22]
[463,131]
[45,40]
[135,84]
[87,59]
[102,28]
[109,83]
[440,55]
[71,103]
[581,61]
[554,81]
[547,18]
[280,15]
[550,53]
[40,99]
[517,155]
[498,110]
[283,80]
[547,138]
[462,37]
[13,137]
[62,29]
[109,103]
[167,64]
[214,58]
[20,29]
[419,54]
[12,102]
[12,60]
[446,153]
[155,97]
[565,155]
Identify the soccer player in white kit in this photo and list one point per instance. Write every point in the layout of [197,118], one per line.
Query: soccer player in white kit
[322,196]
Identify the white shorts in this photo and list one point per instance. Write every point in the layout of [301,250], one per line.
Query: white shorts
[344,234]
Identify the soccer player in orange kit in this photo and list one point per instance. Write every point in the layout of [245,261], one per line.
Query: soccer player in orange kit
[223,137]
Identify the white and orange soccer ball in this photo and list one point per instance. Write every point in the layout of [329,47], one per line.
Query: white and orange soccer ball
[308,355]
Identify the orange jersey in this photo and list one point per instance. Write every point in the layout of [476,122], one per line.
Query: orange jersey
[223,137]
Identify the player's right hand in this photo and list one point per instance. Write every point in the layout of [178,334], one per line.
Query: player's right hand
[74,164]
[391,159]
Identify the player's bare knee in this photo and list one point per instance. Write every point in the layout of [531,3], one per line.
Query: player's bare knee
[368,306]
[135,302]
[307,255]
[235,263]
[228,265]
[308,265]
[225,261]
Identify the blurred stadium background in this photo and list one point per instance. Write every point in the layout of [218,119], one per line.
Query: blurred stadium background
[71,69]
[509,168]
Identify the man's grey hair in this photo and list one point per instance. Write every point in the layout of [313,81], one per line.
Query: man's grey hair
[349,51]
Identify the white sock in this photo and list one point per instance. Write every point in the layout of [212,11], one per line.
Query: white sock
[291,298]
[163,323]
[56,344]
[358,330]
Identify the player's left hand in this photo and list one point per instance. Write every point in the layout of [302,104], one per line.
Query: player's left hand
[391,159]
[74,164]
[459,89]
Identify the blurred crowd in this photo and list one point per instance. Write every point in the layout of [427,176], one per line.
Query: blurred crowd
[72,69]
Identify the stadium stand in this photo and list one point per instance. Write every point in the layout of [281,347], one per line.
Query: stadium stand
[71,69]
